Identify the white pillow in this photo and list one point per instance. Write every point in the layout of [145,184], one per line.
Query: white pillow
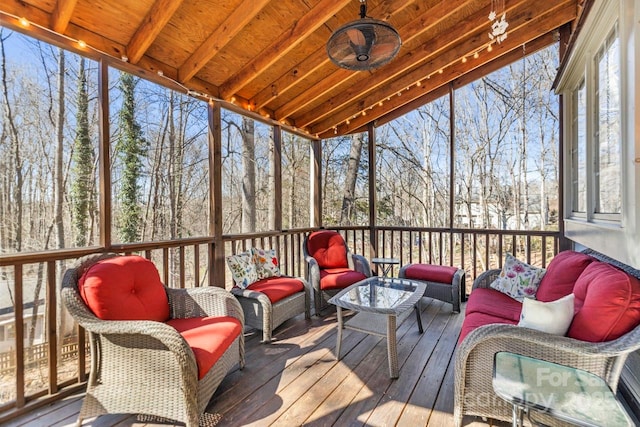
[242,269]
[518,279]
[552,317]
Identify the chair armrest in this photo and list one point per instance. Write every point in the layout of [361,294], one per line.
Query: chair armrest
[204,301]
[486,278]
[361,264]
[604,359]
[313,272]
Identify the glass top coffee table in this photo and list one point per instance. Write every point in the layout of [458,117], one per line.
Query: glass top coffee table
[566,393]
[382,303]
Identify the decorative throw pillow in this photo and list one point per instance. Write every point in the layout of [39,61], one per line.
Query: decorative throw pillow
[519,280]
[242,269]
[552,317]
[266,262]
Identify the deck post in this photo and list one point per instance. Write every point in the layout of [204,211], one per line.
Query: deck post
[216,253]
[373,201]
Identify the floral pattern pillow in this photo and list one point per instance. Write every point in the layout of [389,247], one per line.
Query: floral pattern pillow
[519,280]
[266,262]
[242,269]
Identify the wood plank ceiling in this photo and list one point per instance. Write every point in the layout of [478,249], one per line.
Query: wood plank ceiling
[268,56]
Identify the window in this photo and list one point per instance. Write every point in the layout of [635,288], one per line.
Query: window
[607,122]
[579,149]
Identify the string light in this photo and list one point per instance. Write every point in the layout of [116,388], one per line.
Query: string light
[124,58]
[24,22]
[348,122]
[82,44]
[440,71]
[476,55]
[419,83]
[490,47]
[233,99]
[464,59]
[380,104]
[160,73]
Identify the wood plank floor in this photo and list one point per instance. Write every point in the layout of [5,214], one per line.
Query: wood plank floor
[296,380]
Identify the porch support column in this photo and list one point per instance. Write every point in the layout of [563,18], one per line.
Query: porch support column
[104,156]
[373,200]
[276,168]
[452,167]
[316,184]
[564,243]
[216,251]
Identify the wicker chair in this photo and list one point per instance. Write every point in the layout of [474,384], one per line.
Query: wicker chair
[331,267]
[262,314]
[146,367]
[474,393]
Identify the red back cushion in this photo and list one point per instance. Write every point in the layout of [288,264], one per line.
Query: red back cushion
[607,303]
[562,273]
[124,288]
[328,248]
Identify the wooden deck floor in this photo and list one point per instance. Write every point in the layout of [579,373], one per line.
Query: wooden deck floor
[296,380]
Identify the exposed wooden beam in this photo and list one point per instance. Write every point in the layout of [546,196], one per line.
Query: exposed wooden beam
[429,49]
[222,35]
[502,61]
[282,45]
[61,15]
[522,33]
[152,24]
[319,58]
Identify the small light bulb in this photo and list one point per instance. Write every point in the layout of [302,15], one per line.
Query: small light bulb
[440,71]
[464,59]
[124,58]
[490,48]
[160,73]
[82,44]
[380,103]
[233,99]
[24,22]
[476,55]
[419,84]
[399,93]
[335,130]
[364,113]
[348,122]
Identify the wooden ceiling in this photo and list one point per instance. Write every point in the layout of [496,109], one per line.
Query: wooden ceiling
[268,56]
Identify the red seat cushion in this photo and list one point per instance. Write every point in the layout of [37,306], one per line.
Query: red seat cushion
[208,337]
[562,273]
[328,249]
[493,303]
[431,273]
[475,320]
[607,303]
[277,288]
[124,288]
[339,278]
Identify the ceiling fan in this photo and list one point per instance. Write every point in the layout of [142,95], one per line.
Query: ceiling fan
[363,44]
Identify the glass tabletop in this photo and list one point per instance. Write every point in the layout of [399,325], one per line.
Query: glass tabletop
[380,295]
[564,392]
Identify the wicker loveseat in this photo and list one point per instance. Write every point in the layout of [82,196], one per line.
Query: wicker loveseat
[155,351]
[495,329]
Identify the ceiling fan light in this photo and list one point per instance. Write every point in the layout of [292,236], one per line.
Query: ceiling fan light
[364,44]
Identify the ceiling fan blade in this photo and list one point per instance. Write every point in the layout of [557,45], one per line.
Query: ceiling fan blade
[356,36]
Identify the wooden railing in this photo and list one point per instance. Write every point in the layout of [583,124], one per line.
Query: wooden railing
[188,263]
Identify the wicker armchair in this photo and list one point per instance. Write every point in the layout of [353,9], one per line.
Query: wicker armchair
[331,267]
[147,367]
[474,393]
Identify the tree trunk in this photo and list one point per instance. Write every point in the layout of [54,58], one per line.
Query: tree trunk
[348,199]
[249,176]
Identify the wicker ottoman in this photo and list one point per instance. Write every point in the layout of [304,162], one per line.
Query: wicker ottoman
[444,283]
[268,303]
